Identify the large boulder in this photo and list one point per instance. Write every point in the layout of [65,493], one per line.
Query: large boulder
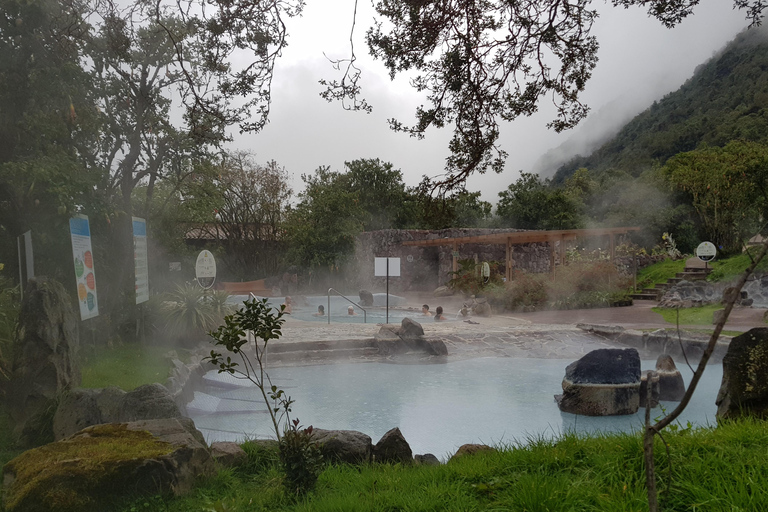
[150,401]
[393,448]
[80,408]
[744,388]
[104,463]
[410,329]
[346,446]
[605,382]
[44,361]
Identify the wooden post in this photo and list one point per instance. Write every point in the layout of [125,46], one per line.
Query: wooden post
[562,250]
[455,258]
[613,246]
[552,257]
[508,268]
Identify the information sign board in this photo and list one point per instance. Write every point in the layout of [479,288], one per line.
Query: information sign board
[140,261]
[706,251]
[205,269]
[85,274]
[380,267]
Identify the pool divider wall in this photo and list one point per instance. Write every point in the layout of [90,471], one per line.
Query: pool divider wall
[663,341]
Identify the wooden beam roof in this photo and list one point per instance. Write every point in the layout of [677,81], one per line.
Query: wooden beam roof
[523,237]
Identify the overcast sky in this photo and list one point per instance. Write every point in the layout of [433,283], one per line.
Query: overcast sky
[640,61]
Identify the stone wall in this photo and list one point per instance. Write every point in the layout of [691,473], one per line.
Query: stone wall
[426,268]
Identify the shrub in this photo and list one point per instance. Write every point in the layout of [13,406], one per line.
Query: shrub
[525,291]
[189,311]
[468,279]
[10,304]
[300,458]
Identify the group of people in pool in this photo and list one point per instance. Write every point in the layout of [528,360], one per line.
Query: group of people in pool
[288,308]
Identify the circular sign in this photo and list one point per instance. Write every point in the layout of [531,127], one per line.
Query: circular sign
[409,258]
[205,269]
[706,251]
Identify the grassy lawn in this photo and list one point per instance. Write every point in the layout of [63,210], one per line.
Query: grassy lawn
[730,268]
[659,272]
[720,469]
[127,366]
[689,316]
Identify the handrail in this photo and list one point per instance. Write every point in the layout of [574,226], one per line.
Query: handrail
[365,313]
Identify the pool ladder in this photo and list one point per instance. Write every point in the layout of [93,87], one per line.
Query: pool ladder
[365,314]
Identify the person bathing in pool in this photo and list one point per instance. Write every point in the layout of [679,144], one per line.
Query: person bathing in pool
[439,314]
[425,310]
[320,311]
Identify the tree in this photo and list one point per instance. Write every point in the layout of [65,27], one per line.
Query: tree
[378,189]
[323,226]
[246,205]
[46,110]
[530,204]
[484,61]
[727,186]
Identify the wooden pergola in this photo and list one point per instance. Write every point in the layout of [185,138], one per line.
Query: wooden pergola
[525,237]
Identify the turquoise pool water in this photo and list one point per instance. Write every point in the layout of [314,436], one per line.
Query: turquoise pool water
[438,407]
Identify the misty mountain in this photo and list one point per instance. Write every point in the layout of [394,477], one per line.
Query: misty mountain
[725,99]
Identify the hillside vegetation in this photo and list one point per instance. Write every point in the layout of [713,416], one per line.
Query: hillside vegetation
[725,99]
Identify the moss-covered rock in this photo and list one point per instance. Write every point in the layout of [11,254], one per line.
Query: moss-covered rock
[106,462]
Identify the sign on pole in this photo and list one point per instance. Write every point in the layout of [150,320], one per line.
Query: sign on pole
[380,267]
[205,269]
[386,267]
[706,251]
[140,260]
[87,297]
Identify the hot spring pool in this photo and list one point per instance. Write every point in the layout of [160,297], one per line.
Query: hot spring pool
[438,407]
[306,307]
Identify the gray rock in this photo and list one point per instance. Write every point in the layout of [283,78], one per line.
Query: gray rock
[410,329]
[435,347]
[44,359]
[671,384]
[366,298]
[471,449]
[388,342]
[426,460]
[393,448]
[77,410]
[604,382]
[177,460]
[150,401]
[346,446]
[442,291]
[744,388]
[228,454]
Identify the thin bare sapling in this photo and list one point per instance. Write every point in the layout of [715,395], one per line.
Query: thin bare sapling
[652,430]
[258,319]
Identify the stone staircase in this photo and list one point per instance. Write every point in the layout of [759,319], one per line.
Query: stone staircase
[691,272]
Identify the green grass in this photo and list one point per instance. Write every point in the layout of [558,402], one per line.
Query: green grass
[127,366]
[730,268]
[659,272]
[713,469]
[689,316]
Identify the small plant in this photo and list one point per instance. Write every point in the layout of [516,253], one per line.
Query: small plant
[301,458]
[190,311]
[299,455]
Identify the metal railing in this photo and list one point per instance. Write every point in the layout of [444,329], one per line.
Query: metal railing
[365,313]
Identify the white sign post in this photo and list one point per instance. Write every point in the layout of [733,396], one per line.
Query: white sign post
[706,252]
[205,269]
[82,253]
[140,260]
[385,267]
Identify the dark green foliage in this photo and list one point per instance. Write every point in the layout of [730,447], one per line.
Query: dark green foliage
[531,203]
[300,458]
[468,279]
